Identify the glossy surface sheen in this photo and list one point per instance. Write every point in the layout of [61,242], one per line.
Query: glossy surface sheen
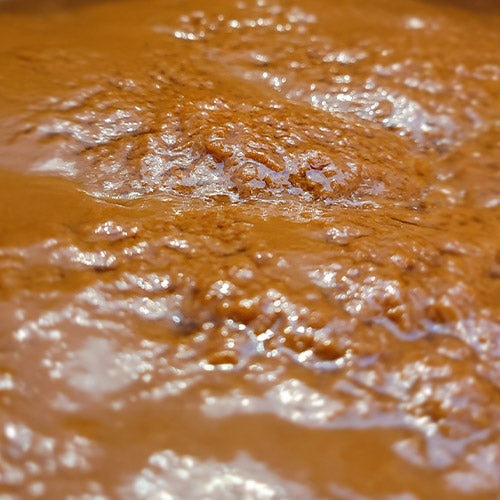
[250,250]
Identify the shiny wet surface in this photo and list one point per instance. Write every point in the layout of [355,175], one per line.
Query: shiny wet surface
[250,250]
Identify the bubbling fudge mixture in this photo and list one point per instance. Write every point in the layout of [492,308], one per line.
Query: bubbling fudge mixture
[250,249]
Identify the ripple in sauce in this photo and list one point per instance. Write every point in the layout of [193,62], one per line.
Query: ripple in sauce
[250,250]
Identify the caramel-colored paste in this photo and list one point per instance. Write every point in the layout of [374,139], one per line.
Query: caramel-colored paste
[250,249]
